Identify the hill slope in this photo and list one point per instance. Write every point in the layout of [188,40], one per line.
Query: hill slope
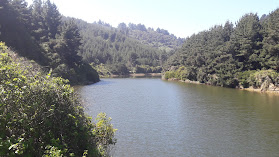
[231,56]
[124,51]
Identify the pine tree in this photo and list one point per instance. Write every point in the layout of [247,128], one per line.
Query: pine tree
[4,16]
[70,41]
[38,24]
[227,31]
[246,40]
[22,11]
[271,41]
[52,19]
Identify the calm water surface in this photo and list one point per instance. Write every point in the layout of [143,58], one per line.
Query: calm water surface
[160,118]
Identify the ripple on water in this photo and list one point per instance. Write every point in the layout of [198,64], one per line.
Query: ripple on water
[160,118]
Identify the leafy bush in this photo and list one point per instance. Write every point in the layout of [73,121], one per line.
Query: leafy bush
[169,75]
[102,70]
[259,77]
[181,73]
[104,133]
[41,115]
[244,78]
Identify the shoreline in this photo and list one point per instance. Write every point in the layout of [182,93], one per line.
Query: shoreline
[258,90]
[135,75]
[250,89]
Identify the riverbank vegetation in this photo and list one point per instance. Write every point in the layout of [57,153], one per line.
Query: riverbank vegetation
[42,116]
[231,56]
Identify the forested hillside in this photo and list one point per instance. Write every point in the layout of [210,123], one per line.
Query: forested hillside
[233,56]
[159,38]
[125,49]
[69,46]
[38,33]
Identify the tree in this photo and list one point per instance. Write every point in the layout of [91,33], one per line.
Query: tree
[158,30]
[69,43]
[227,31]
[271,41]
[246,39]
[15,30]
[123,28]
[132,26]
[39,31]
[141,27]
[32,33]
[132,59]
[5,16]
[45,20]
[52,19]
[22,11]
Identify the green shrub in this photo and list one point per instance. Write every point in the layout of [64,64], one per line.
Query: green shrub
[244,78]
[257,78]
[180,73]
[41,115]
[104,133]
[169,75]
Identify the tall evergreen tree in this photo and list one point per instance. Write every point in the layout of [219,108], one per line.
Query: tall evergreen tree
[246,40]
[271,41]
[227,31]
[15,30]
[39,31]
[52,19]
[70,42]
[22,11]
[4,15]
[123,28]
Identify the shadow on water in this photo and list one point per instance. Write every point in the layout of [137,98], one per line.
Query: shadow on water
[103,82]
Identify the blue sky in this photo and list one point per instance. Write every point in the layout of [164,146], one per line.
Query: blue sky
[180,17]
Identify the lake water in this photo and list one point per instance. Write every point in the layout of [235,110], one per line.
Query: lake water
[159,118]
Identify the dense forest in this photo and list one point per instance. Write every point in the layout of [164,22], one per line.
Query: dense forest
[159,38]
[125,49]
[38,33]
[72,48]
[243,55]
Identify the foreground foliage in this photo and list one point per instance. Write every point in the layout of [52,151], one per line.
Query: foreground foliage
[41,115]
